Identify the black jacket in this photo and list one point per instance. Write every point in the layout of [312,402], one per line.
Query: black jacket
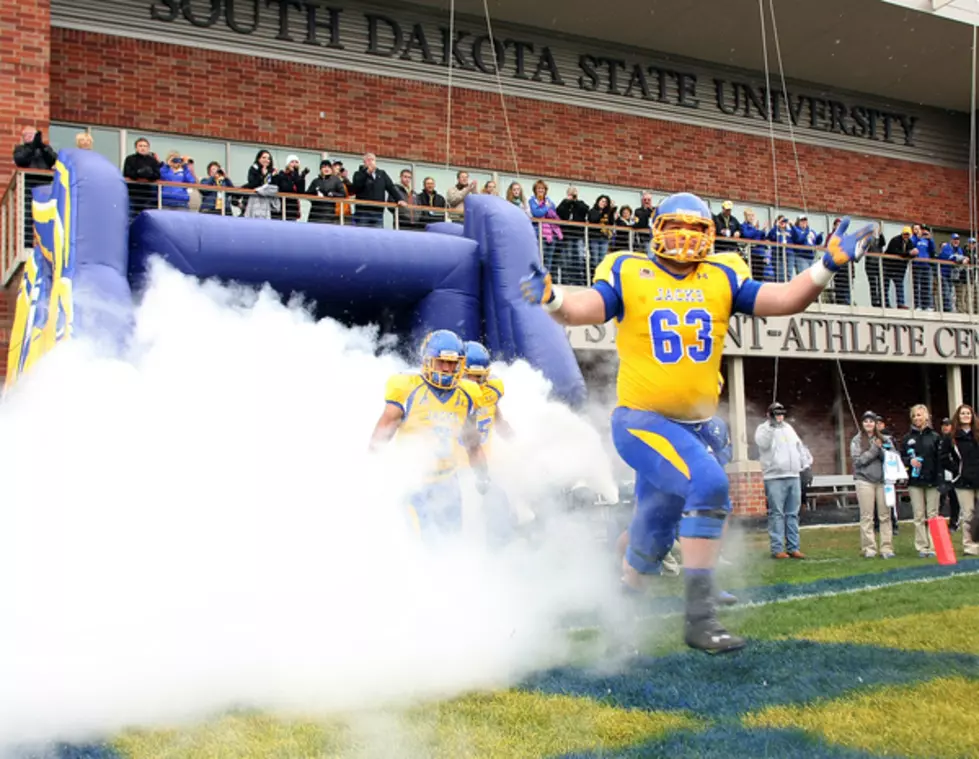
[927,446]
[432,201]
[141,167]
[292,182]
[902,248]
[962,459]
[378,187]
[35,154]
[329,187]
[572,210]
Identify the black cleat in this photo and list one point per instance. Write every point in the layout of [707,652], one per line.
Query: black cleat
[708,635]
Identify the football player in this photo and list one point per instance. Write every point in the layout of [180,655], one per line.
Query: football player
[672,308]
[440,407]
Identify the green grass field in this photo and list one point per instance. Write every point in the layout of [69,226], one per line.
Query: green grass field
[848,657]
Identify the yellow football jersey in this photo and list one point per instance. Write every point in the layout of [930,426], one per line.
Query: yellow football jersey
[671,329]
[438,415]
[491,392]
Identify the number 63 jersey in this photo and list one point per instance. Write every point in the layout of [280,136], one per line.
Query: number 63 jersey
[671,329]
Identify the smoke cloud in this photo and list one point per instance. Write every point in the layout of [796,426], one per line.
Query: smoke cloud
[198,525]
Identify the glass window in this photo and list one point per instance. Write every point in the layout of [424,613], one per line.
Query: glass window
[61,136]
[106,142]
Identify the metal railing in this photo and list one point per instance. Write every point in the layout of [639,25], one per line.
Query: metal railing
[571,250]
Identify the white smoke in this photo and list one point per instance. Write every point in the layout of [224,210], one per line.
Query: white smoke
[200,526]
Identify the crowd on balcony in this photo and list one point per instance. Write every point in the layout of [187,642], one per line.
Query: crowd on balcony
[575,233]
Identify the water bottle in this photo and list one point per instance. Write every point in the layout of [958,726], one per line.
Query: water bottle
[915,473]
[890,494]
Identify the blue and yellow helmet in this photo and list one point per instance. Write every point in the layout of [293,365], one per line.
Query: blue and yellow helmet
[443,359]
[683,244]
[477,362]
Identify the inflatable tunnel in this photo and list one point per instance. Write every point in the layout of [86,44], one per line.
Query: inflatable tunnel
[89,264]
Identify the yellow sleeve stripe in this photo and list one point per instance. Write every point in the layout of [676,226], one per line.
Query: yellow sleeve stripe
[664,448]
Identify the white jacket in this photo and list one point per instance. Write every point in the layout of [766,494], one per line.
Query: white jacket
[781,451]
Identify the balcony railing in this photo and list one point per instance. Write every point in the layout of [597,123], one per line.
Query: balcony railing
[571,250]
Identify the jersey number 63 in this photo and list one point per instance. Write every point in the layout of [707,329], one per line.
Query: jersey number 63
[668,344]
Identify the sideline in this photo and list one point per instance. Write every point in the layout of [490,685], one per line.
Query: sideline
[767,595]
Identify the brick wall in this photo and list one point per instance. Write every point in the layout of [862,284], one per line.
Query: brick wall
[747,494]
[122,82]
[25,31]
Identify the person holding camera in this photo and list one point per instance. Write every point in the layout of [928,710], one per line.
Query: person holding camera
[292,179]
[867,451]
[374,184]
[215,202]
[783,457]
[177,168]
[921,452]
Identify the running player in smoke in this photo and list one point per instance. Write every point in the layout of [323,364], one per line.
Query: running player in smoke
[672,314]
[439,407]
[490,422]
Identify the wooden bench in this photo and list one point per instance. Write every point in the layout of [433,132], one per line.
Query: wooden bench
[838,487]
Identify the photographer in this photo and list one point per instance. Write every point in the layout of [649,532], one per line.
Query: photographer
[372,183]
[215,202]
[783,458]
[292,180]
[921,451]
[180,169]
[33,153]
[867,452]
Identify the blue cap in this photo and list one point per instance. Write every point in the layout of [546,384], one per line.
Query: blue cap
[972,239]
[955,236]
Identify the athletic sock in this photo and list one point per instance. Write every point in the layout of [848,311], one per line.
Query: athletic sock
[699,585]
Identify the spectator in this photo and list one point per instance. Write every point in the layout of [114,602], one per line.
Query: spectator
[489,188]
[963,458]
[900,250]
[215,202]
[292,180]
[644,221]
[405,214]
[922,274]
[603,214]
[345,210]
[542,207]
[177,168]
[781,235]
[326,185]
[783,457]
[949,273]
[728,228]
[624,222]
[141,168]
[759,256]
[430,198]
[261,178]
[373,184]
[83,141]
[921,453]
[456,196]
[574,210]
[966,290]
[801,259]
[885,433]
[867,452]
[33,152]
[514,194]
[873,265]
[948,502]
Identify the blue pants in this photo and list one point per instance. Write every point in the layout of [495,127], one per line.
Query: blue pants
[784,496]
[436,509]
[680,484]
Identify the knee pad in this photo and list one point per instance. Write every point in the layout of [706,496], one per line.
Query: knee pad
[706,524]
[645,563]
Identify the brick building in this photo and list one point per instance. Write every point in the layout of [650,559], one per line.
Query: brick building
[873,122]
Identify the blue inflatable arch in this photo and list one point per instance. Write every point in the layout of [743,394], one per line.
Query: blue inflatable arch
[459,277]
